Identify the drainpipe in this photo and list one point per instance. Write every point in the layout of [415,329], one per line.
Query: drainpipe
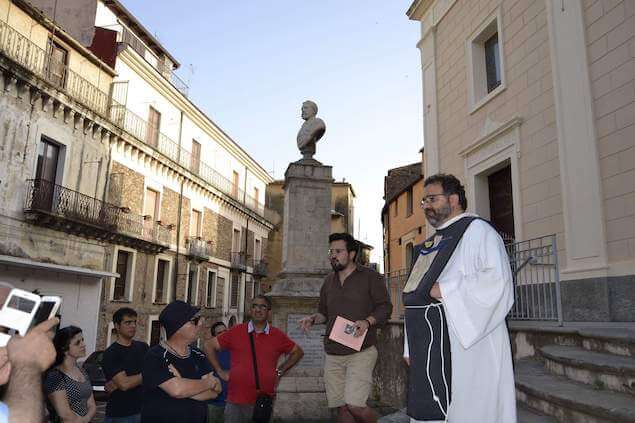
[178,153]
[178,240]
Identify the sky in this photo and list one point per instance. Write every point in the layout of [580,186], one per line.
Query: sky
[251,63]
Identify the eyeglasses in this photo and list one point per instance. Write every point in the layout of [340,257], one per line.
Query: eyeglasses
[260,306]
[335,251]
[195,320]
[429,199]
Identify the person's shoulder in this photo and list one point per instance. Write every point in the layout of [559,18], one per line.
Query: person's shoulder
[368,273]
[155,351]
[111,349]
[140,345]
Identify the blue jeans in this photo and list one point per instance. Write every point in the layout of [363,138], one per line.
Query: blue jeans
[135,418]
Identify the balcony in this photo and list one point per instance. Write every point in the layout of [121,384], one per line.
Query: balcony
[197,249]
[128,38]
[62,209]
[36,60]
[239,261]
[260,268]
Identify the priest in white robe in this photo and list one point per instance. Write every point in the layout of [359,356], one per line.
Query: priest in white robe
[476,292]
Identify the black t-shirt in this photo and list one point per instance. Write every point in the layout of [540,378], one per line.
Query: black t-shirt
[158,406]
[118,358]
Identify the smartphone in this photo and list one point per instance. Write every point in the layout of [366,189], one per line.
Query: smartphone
[17,314]
[49,306]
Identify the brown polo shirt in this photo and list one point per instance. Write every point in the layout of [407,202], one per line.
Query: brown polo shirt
[363,294]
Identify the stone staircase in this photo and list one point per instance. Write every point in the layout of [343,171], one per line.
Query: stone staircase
[574,375]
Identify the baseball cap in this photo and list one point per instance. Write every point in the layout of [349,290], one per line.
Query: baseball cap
[175,315]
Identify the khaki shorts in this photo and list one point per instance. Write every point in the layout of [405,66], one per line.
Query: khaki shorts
[349,378]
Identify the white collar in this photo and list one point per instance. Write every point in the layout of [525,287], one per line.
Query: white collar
[455,219]
[251,327]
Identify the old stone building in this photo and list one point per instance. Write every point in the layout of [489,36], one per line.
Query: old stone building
[403,224]
[185,177]
[55,141]
[113,175]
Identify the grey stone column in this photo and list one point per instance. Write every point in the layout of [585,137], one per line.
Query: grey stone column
[306,227]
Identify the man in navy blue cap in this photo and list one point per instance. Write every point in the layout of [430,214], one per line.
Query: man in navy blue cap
[177,378]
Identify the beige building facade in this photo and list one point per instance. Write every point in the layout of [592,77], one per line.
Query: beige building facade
[531,104]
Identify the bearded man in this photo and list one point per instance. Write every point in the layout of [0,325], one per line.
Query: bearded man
[359,294]
[456,298]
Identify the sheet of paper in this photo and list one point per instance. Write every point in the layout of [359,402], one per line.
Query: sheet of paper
[344,332]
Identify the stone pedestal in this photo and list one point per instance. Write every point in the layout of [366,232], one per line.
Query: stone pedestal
[295,294]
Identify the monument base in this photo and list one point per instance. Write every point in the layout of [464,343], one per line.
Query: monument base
[300,395]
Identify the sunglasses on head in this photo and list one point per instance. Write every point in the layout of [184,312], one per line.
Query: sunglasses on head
[194,320]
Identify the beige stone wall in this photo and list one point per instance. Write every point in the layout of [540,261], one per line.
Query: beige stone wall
[132,185]
[610,36]
[528,95]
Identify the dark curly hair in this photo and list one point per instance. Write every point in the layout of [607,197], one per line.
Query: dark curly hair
[450,184]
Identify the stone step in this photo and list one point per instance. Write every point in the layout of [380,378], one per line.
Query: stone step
[529,337]
[527,415]
[600,370]
[569,401]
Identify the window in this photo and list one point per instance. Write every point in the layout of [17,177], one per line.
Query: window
[154,125]
[256,196]
[486,74]
[154,329]
[408,255]
[192,286]
[195,164]
[492,63]
[236,241]
[257,250]
[235,183]
[151,204]
[122,286]
[195,224]
[234,290]
[56,66]
[220,284]
[48,155]
[210,291]
[409,202]
[161,286]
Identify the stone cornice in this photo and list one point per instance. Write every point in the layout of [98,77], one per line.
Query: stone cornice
[486,138]
[167,90]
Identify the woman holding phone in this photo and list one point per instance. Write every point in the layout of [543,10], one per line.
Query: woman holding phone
[66,384]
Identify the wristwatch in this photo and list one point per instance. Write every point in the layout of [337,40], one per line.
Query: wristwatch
[279,372]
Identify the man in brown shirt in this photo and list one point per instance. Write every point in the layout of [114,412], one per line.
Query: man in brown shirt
[359,294]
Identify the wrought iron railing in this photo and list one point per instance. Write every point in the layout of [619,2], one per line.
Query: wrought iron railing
[53,199]
[196,247]
[37,60]
[260,268]
[534,265]
[22,50]
[127,37]
[239,260]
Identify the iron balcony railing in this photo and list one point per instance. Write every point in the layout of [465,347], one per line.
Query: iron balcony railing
[127,37]
[239,260]
[198,248]
[534,265]
[22,50]
[260,268]
[55,200]
[37,60]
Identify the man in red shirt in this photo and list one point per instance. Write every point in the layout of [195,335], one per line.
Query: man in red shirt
[270,343]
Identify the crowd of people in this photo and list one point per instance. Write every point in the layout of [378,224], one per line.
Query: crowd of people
[456,345]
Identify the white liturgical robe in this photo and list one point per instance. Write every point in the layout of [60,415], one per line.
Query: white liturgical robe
[477,293]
